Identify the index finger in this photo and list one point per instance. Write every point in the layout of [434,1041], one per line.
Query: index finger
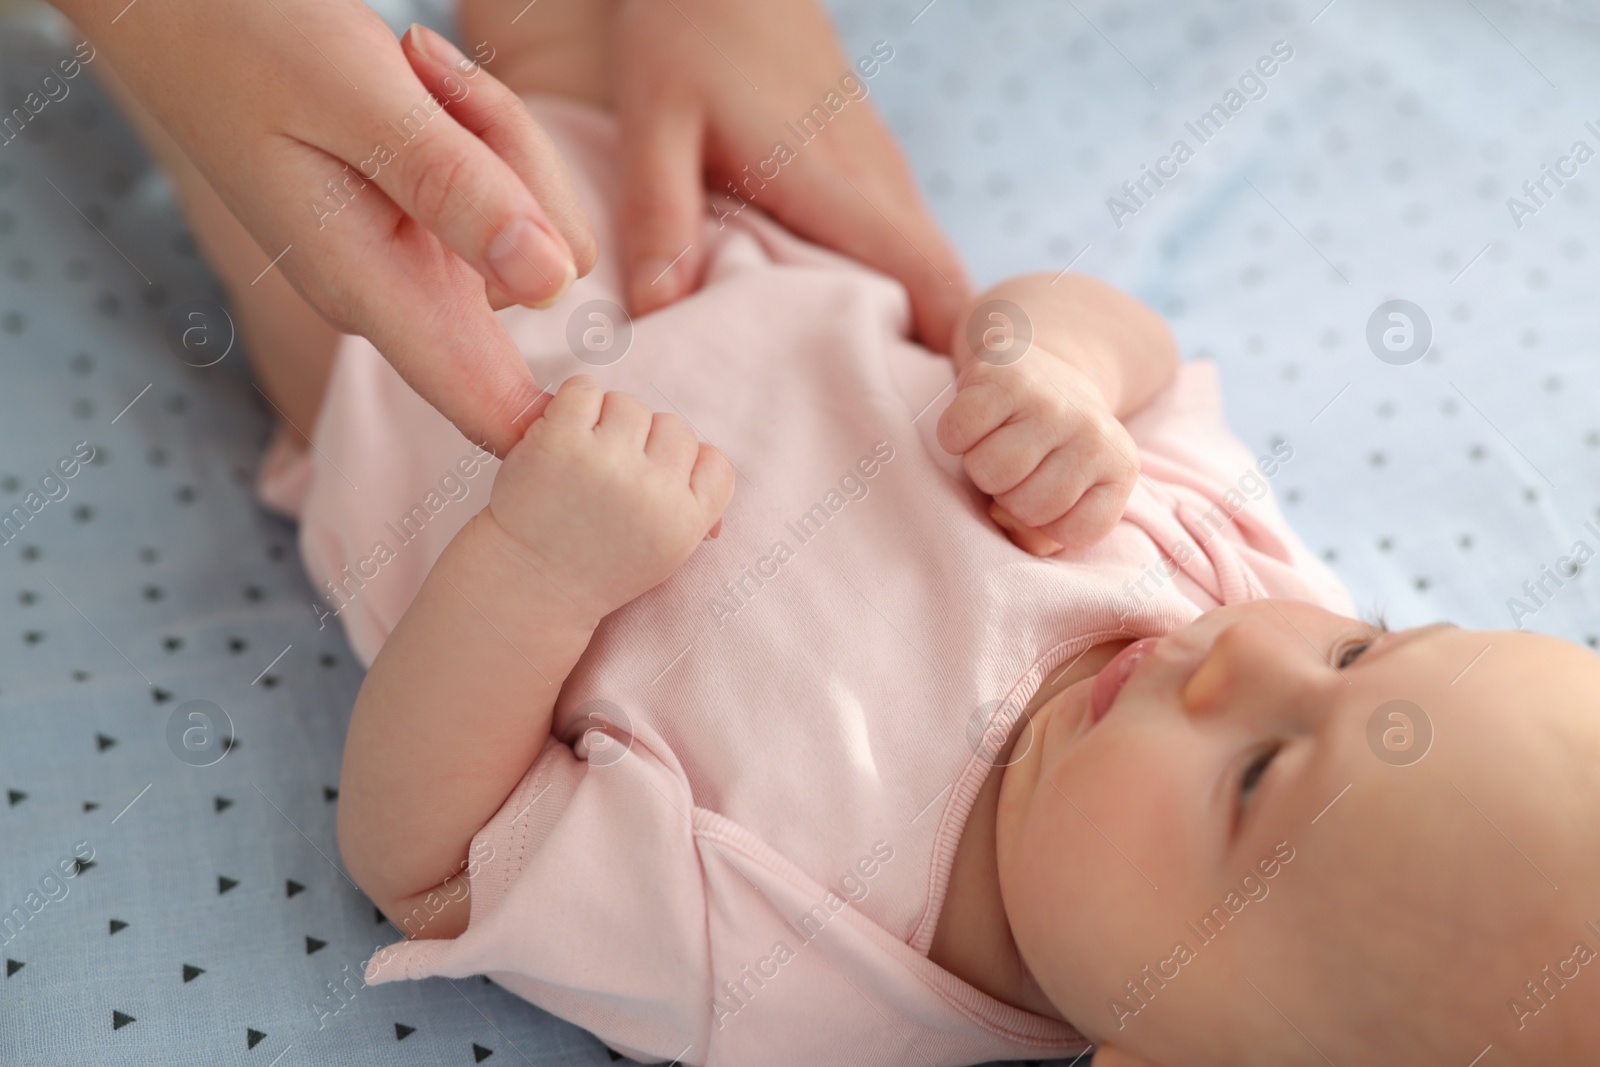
[447,178]
[447,344]
[499,118]
[977,410]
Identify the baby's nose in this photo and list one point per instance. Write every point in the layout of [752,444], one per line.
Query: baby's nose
[1255,668]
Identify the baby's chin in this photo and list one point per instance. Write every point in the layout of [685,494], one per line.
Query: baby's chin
[1058,724]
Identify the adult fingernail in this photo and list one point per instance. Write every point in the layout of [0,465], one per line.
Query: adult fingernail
[549,301]
[527,260]
[434,46]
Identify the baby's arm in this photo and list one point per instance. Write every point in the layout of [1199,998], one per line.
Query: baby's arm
[599,502]
[1047,367]
[1118,343]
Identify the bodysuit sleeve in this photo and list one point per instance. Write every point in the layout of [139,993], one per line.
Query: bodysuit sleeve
[588,900]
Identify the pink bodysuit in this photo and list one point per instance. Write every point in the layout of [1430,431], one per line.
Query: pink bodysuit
[734,848]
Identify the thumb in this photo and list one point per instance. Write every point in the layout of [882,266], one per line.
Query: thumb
[663,203]
[1031,540]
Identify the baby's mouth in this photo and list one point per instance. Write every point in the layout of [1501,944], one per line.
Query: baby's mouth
[1114,675]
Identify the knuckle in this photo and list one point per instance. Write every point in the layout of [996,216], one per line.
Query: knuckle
[1002,390]
[1123,486]
[342,309]
[502,109]
[494,107]
[988,475]
[979,473]
[431,183]
[983,399]
[1124,466]
[671,423]
[954,425]
[1061,409]
[627,404]
[1022,390]
[1031,512]
[978,373]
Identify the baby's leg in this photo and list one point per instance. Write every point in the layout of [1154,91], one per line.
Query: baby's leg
[289,345]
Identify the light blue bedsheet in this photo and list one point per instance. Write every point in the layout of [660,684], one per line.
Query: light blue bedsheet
[207,920]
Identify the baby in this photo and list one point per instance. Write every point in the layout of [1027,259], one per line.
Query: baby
[860,780]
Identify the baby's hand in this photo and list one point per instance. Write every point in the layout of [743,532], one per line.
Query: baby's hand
[609,497]
[1038,436]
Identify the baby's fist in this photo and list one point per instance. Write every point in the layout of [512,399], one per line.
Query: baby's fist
[608,495]
[1038,437]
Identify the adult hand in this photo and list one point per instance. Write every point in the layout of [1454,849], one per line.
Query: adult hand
[390,183]
[704,90]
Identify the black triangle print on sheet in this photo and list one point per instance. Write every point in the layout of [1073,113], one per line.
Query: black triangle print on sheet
[13,966]
[119,1019]
[15,797]
[102,742]
[224,883]
[223,804]
[252,1038]
[117,924]
[313,944]
[291,887]
[90,805]
[191,972]
[479,1053]
[402,1031]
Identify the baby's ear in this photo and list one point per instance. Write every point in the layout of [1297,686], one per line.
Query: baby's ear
[1111,1056]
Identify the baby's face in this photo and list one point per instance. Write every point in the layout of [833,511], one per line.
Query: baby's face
[1201,873]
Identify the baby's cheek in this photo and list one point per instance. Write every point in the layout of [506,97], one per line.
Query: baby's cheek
[1078,898]
[1129,809]
[1108,840]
